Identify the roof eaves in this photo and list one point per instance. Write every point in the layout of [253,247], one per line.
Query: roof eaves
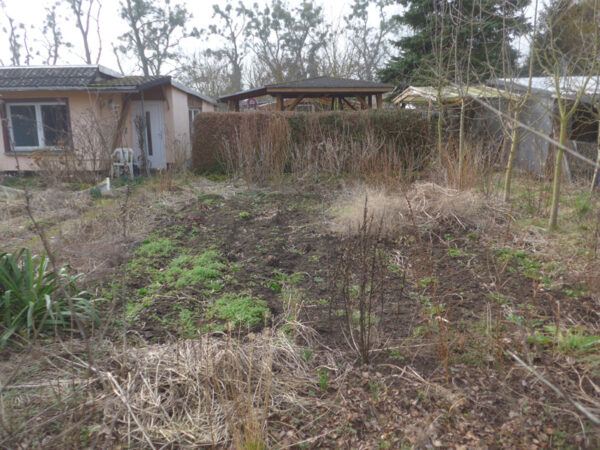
[331,83]
[330,90]
[106,71]
[42,66]
[153,83]
[45,88]
[243,94]
[193,92]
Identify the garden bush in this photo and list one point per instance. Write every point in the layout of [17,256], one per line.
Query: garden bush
[267,145]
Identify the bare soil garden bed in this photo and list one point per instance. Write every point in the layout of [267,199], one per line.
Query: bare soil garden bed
[476,339]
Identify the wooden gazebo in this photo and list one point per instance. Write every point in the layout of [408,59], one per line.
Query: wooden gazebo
[336,89]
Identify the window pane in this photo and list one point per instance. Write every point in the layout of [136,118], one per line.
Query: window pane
[54,119]
[24,126]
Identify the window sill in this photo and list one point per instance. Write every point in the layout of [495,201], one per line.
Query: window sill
[40,151]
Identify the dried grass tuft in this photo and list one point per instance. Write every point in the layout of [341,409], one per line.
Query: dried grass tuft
[209,391]
[432,205]
[214,391]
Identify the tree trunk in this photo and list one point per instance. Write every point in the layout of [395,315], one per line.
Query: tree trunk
[596,169]
[440,127]
[461,143]
[236,78]
[514,136]
[553,222]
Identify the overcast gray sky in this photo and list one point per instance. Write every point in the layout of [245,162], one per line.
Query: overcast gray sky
[32,13]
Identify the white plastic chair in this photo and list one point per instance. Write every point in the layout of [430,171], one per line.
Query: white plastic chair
[122,162]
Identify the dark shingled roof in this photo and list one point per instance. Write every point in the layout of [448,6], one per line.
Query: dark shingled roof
[128,81]
[50,77]
[93,78]
[327,84]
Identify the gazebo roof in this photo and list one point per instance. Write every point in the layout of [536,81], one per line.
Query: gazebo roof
[313,87]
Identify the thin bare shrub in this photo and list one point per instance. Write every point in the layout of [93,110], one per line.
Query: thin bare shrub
[139,130]
[358,285]
[476,164]
[177,167]
[86,156]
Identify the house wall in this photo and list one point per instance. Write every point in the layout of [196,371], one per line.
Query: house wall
[177,126]
[87,112]
[195,102]
[90,110]
[177,123]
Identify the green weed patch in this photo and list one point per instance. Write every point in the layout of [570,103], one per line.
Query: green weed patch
[159,248]
[192,271]
[239,310]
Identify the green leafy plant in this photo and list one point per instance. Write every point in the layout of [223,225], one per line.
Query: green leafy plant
[239,309]
[394,353]
[288,279]
[577,291]
[244,215]
[274,285]
[527,265]
[427,281]
[31,297]
[189,271]
[308,354]
[323,378]
[458,253]
[375,388]
[95,193]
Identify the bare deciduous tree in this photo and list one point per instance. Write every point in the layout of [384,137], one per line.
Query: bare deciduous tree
[84,12]
[339,57]
[558,62]
[155,30]
[53,36]
[369,43]
[286,40]
[14,31]
[231,27]
[206,72]
[516,106]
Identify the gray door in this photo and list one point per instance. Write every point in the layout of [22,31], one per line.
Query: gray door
[155,132]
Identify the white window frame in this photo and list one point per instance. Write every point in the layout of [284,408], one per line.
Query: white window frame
[39,125]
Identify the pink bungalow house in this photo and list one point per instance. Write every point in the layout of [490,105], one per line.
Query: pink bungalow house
[88,111]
